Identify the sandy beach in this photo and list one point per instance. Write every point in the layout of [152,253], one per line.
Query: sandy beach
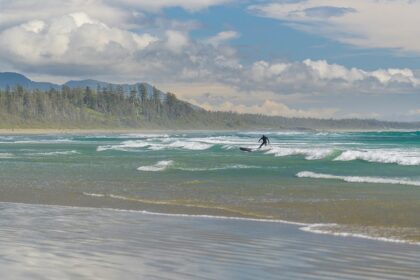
[55,242]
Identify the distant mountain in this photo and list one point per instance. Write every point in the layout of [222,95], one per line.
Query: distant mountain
[11,79]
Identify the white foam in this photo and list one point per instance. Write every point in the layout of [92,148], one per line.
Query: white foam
[55,153]
[397,156]
[124,146]
[94,194]
[6,155]
[359,179]
[160,166]
[189,145]
[334,229]
[226,167]
[310,154]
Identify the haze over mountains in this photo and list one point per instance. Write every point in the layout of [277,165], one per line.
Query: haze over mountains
[79,104]
[12,79]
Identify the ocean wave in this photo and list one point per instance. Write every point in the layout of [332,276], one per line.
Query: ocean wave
[190,145]
[335,229]
[55,153]
[124,146]
[309,153]
[400,157]
[160,166]
[359,179]
[43,141]
[6,155]
[226,167]
[165,143]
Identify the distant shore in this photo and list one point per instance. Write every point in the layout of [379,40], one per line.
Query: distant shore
[35,131]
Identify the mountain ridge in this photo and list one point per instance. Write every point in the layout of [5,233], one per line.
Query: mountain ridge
[12,79]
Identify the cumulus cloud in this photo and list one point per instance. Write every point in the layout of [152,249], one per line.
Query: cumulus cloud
[414,112]
[319,76]
[74,39]
[190,5]
[363,23]
[271,108]
[99,39]
[222,37]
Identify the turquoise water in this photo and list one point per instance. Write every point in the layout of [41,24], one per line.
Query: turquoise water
[349,183]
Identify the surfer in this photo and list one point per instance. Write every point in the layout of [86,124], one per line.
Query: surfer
[264,140]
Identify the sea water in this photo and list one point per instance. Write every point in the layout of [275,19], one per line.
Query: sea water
[363,184]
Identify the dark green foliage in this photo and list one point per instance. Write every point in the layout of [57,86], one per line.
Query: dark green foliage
[87,108]
[110,107]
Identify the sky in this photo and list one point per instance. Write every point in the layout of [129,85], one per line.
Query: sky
[293,58]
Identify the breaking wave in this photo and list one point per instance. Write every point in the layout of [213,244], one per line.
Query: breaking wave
[358,179]
[55,153]
[6,155]
[381,156]
[310,154]
[335,229]
[226,167]
[160,166]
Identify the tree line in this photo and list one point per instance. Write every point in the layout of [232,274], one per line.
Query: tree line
[85,107]
[113,107]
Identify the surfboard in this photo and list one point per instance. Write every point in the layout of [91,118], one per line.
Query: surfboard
[245,149]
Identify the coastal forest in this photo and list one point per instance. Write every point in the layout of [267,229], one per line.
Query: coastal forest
[113,107]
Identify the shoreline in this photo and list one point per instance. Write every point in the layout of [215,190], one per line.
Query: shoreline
[110,241]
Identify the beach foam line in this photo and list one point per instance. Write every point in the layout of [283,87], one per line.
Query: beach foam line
[159,166]
[321,229]
[399,157]
[307,227]
[358,179]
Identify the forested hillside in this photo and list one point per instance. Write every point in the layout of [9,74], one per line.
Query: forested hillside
[112,107]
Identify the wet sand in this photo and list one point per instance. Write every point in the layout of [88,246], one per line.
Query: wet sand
[55,242]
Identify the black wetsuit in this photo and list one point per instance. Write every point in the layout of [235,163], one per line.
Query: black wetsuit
[265,141]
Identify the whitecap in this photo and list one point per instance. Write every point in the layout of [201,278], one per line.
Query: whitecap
[190,145]
[310,154]
[359,179]
[226,167]
[6,155]
[55,153]
[160,166]
[400,157]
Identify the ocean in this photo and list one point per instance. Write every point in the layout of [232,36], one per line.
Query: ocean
[364,183]
[362,186]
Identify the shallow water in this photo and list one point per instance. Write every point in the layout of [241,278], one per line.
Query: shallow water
[55,242]
[365,184]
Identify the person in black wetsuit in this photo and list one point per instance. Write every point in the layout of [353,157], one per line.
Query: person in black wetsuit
[264,140]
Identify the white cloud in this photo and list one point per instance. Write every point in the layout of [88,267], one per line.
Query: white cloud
[363,23]
[414,112]
[176,40]
[190,5]
[222,97]
[271,108]
[319,76]
[222,37]
[72,39]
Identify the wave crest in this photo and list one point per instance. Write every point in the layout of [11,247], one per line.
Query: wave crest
[160,166]
[358,179]
[381,156]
